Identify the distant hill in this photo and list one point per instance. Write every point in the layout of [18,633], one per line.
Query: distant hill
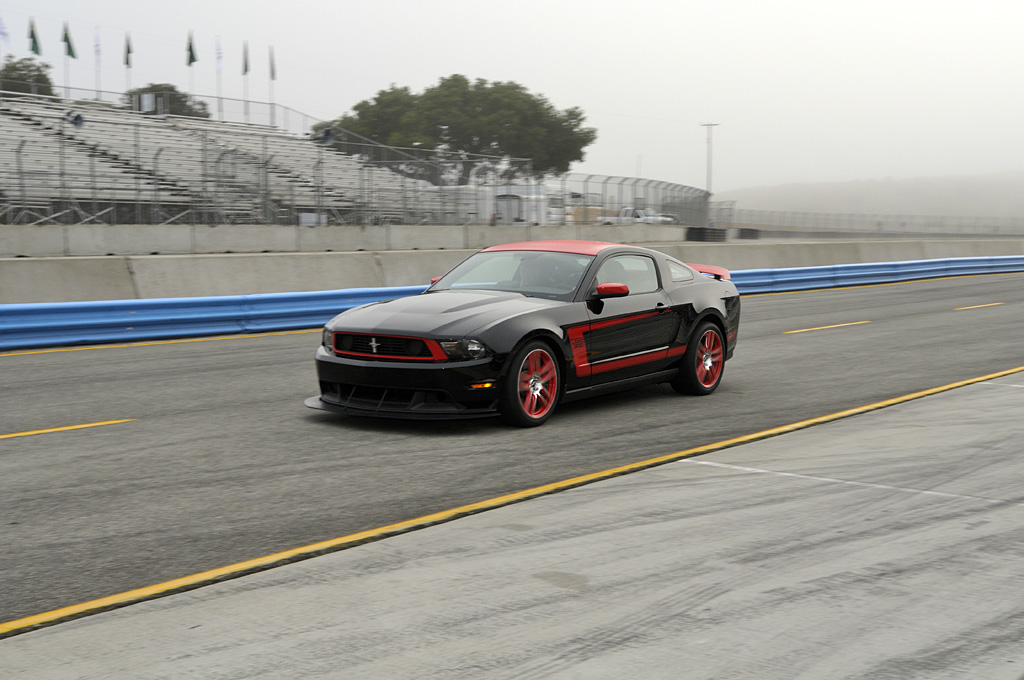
[997,195]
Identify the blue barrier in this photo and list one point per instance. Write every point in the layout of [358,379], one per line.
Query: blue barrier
[52,324]
[76,323]
[750,281]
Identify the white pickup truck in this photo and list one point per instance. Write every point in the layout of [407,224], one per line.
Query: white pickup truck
[635,216]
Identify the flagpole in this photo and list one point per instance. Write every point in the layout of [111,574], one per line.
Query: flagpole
[3,36]
[33,46]
[128,63]
[97,63]
[191,72]
[245,78]
[69,53]
[273,75]
[220,100]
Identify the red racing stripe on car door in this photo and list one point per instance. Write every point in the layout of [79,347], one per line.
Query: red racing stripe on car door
[579,348]
[622,319]
[578,343]
[626,362]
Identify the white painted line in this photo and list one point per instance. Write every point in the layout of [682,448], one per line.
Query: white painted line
[995,384]
[867,485]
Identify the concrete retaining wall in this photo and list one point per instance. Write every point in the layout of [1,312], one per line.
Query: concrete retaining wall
[68,279]
[81,240]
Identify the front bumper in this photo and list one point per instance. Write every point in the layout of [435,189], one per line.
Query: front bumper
[405,389]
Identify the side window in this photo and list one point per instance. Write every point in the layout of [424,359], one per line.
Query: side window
[636,271]
[679,272]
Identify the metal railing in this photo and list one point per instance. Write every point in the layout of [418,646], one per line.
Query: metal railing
[840,224]
[590,199]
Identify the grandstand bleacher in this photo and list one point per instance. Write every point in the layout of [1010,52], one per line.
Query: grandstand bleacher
[122,166]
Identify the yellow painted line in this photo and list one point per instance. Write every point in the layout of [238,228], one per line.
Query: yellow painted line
[66,428]
[991,304]
[295,554]
[821,328]
[159,342]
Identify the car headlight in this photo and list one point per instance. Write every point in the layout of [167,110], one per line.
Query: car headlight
[468,348]
[328,339]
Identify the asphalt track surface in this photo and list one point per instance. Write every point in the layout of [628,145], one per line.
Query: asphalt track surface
[217,461]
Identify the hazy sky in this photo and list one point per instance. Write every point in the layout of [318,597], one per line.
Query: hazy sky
[803,90]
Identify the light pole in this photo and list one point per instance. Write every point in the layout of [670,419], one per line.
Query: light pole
[77,122]
[324,137]
[709,126]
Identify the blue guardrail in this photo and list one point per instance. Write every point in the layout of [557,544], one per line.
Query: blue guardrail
[55,324]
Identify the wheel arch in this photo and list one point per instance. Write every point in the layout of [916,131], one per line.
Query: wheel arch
[712,315]
[553,341]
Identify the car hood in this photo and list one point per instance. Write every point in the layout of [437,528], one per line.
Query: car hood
[442,314]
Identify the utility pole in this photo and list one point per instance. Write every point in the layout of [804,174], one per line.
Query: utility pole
[709,126]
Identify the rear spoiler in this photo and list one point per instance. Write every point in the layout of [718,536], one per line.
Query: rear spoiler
[720,273]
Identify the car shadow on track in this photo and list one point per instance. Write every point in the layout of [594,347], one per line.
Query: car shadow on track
[612,406]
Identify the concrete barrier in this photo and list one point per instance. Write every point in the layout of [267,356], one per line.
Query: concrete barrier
[42,279]
[202,275]
[61,279]
[83,240]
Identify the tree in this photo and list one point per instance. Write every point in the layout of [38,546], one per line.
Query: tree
[26,75]
[466,121]
[168,99]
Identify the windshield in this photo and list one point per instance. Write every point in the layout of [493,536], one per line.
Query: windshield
[532,273]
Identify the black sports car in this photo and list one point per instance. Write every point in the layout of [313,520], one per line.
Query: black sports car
[518,328]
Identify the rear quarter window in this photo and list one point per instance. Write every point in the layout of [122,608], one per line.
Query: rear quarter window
[679,272]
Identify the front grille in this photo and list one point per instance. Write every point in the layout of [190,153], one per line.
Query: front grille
[369,398]
[382,346]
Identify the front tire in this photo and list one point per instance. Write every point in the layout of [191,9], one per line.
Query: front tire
[531,387]
[703,362]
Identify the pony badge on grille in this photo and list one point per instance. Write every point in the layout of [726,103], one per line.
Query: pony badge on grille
[374,344]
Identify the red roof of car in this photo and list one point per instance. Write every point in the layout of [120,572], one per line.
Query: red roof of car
[577,247]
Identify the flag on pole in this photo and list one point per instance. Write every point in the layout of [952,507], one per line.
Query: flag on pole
[33,40]
[220,54]
[192,58]
[69,49]
[273,69]
[128,50]
[96,44]
[3,33]
[245,57]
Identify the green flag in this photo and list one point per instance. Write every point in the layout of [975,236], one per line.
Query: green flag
[33,41]
[128,50]
[192,58]
[69,49]
[245,57]
[273,69]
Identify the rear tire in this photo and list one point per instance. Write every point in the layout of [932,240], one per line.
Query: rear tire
[703,363]
[530,391]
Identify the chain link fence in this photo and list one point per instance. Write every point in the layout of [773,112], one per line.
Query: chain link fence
[168,157]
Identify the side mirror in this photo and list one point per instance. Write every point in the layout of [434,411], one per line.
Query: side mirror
[610,290]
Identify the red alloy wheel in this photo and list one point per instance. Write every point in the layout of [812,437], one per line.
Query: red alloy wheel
[709,358]
[538,383]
